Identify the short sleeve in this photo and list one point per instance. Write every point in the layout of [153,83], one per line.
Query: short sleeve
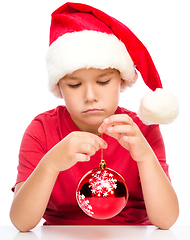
[32,150]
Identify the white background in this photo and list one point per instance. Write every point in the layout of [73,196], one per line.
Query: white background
[162,25]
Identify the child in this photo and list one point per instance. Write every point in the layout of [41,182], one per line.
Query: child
[91,58]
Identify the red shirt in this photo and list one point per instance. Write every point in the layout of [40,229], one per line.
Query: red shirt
[47,129]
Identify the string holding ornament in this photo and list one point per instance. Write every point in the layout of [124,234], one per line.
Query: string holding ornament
[102,193]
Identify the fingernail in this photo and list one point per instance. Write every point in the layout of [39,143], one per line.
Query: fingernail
[100,129]
[110,129]
[105,145]
[125,138]
[106,120]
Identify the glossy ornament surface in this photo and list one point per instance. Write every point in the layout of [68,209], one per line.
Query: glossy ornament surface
[102,193]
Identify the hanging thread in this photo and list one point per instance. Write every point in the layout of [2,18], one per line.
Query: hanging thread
[102,163]
[102,148]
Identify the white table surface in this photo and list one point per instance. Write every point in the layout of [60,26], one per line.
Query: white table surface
[96,233]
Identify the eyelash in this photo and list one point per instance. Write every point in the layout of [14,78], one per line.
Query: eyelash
[104,83]
[77,85]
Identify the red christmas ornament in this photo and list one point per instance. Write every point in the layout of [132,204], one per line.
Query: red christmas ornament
[102,193]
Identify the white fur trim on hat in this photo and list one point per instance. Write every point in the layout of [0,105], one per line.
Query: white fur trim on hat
[87,49]
[159,107]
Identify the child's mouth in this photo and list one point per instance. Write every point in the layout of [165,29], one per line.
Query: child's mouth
[91,111]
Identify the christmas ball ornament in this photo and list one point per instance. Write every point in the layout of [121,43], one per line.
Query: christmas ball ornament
[102,193]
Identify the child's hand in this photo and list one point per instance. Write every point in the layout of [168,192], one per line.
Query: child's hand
[127,133]
[75,147]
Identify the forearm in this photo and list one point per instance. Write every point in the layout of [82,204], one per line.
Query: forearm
[31,200]
[159,196]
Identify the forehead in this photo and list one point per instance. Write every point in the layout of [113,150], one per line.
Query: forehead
[92,72]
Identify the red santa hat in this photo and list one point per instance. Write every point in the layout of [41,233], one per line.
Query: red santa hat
[84,37]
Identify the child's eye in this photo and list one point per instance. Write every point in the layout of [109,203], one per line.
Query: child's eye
[74,85]
[103,83]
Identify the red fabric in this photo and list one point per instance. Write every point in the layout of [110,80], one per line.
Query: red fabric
[72,17]
[48,129]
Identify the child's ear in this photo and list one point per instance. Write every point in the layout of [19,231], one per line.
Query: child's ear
[122,82]
[60,89]
[123,85]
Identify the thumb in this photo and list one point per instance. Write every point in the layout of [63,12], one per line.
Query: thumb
[81,157]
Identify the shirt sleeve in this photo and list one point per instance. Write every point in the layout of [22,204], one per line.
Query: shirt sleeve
[154,138]
[32,150]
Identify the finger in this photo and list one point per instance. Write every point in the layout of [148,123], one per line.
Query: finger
[115,120]
[131,140]
[80,157]
[125,129]
[96,141]
[101,142]
[87,148]
[90,148]
[118,118]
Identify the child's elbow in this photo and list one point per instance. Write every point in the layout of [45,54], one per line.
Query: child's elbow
[22,226]
[166,222]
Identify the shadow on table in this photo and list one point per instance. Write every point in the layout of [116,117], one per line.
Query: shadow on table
[26,236]
[158,234]
[104,232]
[96,233]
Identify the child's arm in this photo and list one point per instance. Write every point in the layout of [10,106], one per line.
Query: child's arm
[159,196]
[32,196]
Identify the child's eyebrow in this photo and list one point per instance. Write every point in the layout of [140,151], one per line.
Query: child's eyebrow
[70,78]
[105,74]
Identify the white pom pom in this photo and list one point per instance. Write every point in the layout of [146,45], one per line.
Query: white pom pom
[159,107]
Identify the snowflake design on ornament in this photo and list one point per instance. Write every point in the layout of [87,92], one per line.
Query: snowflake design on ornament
[85,204]
[102,183]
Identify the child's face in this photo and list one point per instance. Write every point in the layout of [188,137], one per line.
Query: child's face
[90,96]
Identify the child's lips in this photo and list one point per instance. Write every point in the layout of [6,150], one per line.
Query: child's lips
[93,111]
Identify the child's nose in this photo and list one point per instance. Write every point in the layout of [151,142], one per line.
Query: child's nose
[90,94]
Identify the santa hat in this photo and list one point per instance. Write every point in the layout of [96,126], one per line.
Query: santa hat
[84,37]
